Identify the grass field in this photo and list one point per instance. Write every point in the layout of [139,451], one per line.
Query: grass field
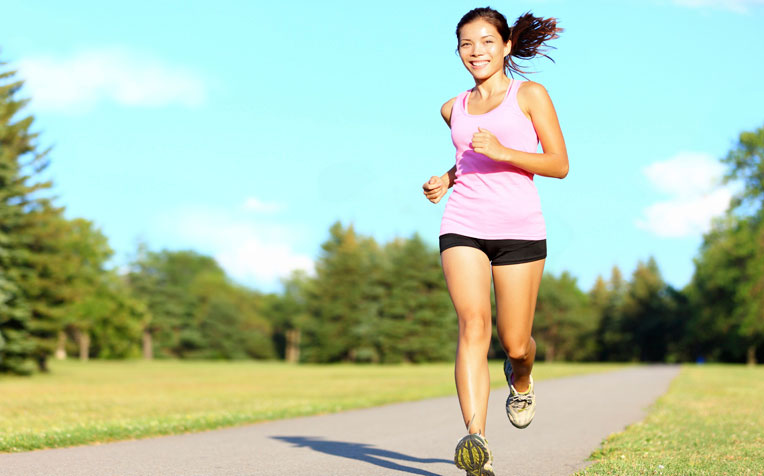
[97,401]
[711,422]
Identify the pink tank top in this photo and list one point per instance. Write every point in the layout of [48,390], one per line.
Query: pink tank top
[493,200]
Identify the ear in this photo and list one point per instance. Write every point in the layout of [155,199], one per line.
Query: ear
[507,48]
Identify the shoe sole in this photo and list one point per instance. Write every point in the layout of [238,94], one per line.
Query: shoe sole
[471,456]
[515,424]
[519,427]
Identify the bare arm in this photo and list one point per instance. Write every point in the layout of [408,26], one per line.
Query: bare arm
[553,161]
[449,177]
[436,187]
[445,111]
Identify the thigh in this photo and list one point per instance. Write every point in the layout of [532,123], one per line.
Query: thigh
[468,277]
[516,287]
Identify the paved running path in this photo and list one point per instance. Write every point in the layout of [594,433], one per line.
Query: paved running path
[574,415]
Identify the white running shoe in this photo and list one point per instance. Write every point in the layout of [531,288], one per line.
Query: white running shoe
[521,407]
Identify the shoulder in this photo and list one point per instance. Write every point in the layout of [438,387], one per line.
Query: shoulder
[532,90]
[446,108]
[531,95]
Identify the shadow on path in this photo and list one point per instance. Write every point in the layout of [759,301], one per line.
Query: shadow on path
[361,452]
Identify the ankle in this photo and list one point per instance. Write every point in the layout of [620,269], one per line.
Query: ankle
[521,384]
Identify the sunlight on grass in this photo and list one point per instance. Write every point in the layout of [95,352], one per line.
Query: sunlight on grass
[711,422]
[85,402]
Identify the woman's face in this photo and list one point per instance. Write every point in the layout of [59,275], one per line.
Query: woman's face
[482,49]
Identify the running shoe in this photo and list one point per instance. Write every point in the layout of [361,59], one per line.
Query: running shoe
[473,456]
[521,407]
[487,469]
[508,371]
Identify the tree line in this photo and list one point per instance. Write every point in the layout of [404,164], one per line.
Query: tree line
[366,302]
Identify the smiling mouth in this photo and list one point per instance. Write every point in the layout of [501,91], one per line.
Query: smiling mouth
[479,64]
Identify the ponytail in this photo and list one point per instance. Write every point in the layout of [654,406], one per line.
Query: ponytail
[529,35]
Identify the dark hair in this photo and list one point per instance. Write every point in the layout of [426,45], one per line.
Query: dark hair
[529,34]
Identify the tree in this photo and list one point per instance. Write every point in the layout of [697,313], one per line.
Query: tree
[607,300]
[196,312]
[288,314]
[162,280]
[564,323]
[229,319]
[745,164]
[343,300]
[21,163]
[649,316]
[727,323]
[728,285]
[65,264]
[416,319]
[368,303]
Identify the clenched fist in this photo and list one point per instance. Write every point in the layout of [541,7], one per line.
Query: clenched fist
[483,142]
[434,189]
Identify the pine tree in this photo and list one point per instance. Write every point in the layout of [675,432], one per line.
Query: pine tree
[564,324]
[608,304]
[343,299]
[416,319]
[50,271]
[20,161]
[646,315]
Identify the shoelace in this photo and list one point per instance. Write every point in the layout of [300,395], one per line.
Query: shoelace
[521,400]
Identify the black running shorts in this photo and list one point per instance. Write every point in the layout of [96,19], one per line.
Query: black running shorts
[499,252]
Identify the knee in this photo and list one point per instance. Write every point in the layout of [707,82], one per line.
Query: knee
[519,351]
[475,329]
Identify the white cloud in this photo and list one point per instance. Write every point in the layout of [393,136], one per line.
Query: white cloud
[686,174]
[696,195]
[259,254]
[79,82]
[740,6]
[685,216]
[256,205]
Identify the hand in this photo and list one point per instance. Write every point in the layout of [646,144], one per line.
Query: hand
[483,142]
[434,189]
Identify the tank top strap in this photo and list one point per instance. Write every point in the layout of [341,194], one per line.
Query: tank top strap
[511,98]
[461,100]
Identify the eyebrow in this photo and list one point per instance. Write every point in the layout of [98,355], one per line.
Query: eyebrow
[486,36]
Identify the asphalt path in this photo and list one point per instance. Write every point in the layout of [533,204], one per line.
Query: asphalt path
[573,416]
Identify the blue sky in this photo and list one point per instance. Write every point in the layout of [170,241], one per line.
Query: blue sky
[243,130]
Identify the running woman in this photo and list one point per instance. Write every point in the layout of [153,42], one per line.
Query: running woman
[492,225]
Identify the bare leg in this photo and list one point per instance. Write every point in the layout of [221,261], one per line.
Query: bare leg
[468,277]
[516,287]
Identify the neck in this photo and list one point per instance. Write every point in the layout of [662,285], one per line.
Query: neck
[495,84]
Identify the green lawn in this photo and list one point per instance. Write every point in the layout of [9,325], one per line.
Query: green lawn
[96,401]
[711,422]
